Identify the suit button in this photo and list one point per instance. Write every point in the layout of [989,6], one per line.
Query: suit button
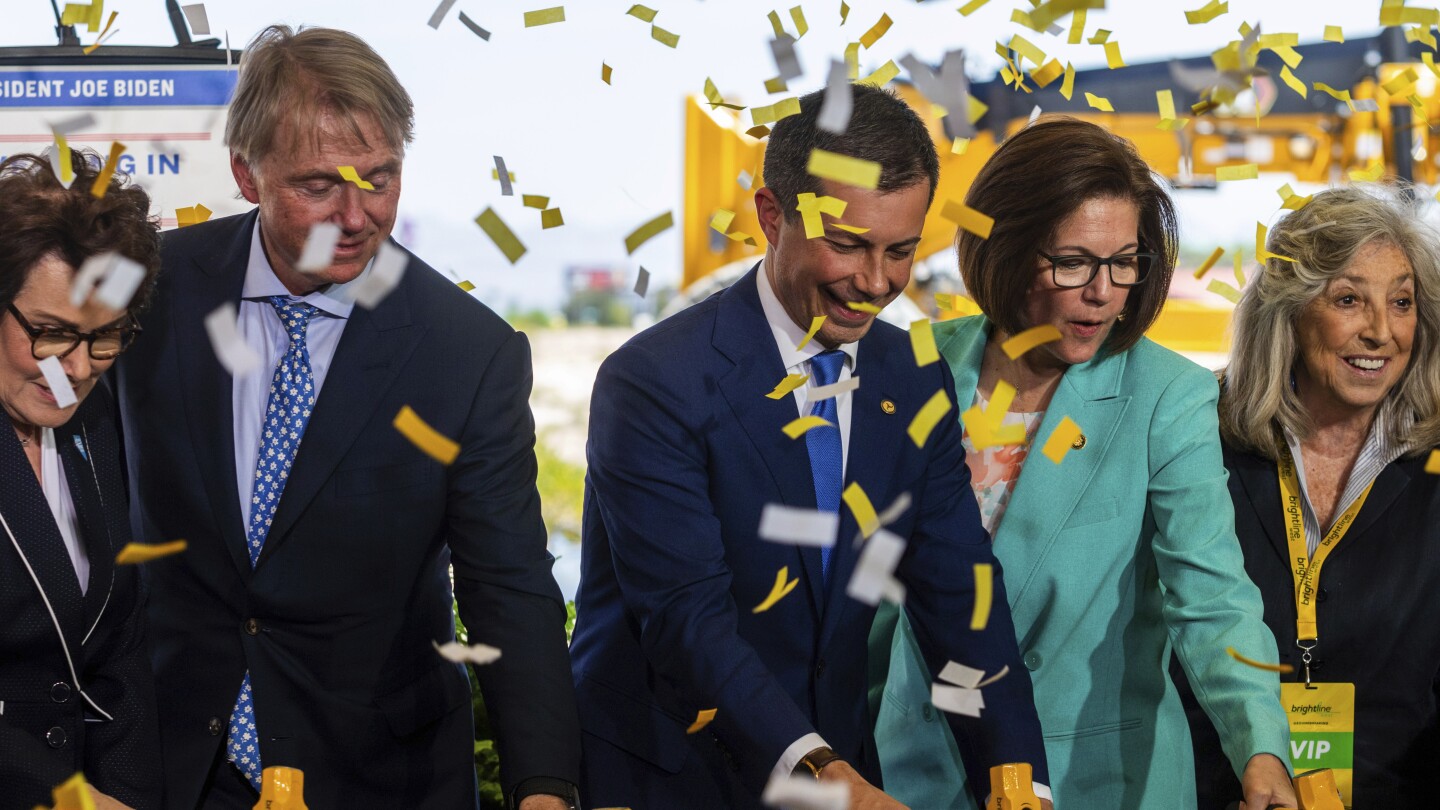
[55,737]
[252,627]
[1033,660]
[60,692]
[820,667]
[214,727]
[929,713]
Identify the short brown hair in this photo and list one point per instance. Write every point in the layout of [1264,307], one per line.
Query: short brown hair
[289,76]
[882,129]
[39,217]
[1032,184]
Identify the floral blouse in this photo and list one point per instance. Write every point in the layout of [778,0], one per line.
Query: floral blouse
[995,470]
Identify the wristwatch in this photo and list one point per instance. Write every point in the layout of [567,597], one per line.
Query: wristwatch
[547,785]
[815,761]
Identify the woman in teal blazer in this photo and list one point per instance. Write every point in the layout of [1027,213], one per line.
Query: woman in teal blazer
[1126,547]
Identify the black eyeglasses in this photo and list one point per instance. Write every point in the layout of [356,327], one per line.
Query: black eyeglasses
[54,341]
[1126,269]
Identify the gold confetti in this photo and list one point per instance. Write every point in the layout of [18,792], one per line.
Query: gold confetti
[1209,262]
[712,95]
[972,7]
[1061,439]
[812,206]
[703,718]
[1068,87]
[430,441]
[466,286]
[1262,233]
[1099,102]
[102,180]
[1371,174]
[1400,83]
[192,216]
[1239,269]
[1432,464]
[664,37]
[850,228]
[797,15]
[349,174]
[769,114]
[1077,27]
[1026,49]
[500,234]
[1112,56]
[815,324]
[1100,37]
[959,145]
[544,16]
[645,232]
[643,12]
[927,418]
[605,72]
[1052,70]
[1166,102]
[844,169]
[94,20]
[134,553]
[968,218]
[535,201]
[787,385]
[882,74]
[922,342]
[854,497]
[781,589]
[1245,171]
[869,38]
[1294,83]
[776,85]
[796,428]
[984,595]
[551,218]
[986,427]
[1283,669]
[1206,13]
[863,306]
[1224,290]
[73,793]
[1333,33]
[1029,339]
[844,11]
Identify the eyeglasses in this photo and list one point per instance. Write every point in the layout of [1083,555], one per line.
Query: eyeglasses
[54,341]
[1126,269]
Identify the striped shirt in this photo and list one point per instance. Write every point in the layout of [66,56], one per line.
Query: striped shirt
[1377,454]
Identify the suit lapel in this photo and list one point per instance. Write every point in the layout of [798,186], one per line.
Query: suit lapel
[373,349]
[874,439]
[743,336]
[1392,480]
[209,404]
[1261,487]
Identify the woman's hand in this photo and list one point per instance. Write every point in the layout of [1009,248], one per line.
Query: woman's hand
[103,802]
[1266,782]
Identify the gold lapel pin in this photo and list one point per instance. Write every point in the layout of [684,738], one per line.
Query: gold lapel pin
[887,406]
[1079,443]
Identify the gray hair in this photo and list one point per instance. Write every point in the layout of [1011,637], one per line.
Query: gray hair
[289,76]
[1257,399]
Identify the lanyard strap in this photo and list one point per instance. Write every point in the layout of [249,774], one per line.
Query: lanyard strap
[1306,571]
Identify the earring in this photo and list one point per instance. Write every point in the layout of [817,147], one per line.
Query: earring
[1120,317]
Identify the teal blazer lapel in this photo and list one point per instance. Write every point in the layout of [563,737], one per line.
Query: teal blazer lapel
[1092,395]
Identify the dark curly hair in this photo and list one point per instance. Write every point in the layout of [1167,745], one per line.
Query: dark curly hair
[39,217]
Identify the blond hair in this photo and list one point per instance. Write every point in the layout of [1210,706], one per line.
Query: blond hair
[289,76]
[1257,398]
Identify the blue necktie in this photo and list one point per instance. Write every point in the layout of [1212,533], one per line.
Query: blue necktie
[827,460]
[287,411]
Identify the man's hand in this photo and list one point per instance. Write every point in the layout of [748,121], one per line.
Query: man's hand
[863,795]
[1266,782]
[542,801]
[1046,804]
[103,802]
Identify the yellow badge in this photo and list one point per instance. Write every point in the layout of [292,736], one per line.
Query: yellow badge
[1322,730]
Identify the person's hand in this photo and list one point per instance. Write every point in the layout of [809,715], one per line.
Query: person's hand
[1266,782]
[539,801]
[103,802]
[1046,804]
[863,795]
[542,801]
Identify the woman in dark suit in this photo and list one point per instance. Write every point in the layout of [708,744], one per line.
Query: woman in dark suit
[76,692]
[1329,410]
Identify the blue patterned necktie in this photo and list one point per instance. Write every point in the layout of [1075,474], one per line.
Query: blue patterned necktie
[287,411]
[827,460]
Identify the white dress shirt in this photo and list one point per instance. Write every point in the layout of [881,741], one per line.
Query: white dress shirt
[260,327]
[787,336]
[62,506]
[1375,455]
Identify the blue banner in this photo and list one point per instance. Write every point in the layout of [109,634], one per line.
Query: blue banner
[28,88]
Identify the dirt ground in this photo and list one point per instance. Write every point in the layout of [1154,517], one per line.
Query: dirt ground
[566,361]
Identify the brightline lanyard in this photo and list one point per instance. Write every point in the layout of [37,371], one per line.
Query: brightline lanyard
[1306,571]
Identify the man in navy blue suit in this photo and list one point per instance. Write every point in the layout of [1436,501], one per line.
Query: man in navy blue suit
[686,451]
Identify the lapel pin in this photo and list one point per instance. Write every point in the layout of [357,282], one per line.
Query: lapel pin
[1079,443]
[887,406]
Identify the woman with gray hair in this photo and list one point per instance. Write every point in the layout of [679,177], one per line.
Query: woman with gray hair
[1328,411]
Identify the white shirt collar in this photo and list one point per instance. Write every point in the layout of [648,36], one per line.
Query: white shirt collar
[787,333]
[262,283]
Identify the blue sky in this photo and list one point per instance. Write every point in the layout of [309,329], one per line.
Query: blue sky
[611,156]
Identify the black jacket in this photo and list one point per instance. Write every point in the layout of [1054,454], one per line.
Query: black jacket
[1379,623]
[82,698]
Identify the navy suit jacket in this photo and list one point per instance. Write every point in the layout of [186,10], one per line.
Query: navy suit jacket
[336,620]
[685,451]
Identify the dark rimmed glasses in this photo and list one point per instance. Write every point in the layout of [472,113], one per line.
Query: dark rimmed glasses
[55,341]
[1126,269]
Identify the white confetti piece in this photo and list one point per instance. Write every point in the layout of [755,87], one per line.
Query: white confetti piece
[440,12]
[230,349]
[58,381]
[642,282]
[122,279]
[75,123]
[506,190]
[839,101]
[783,49]
[961,675]
[874,572]
[319,247]
[380,278]
[477,654]
[794,526]
[198,19]
[835,389]
[957,699]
